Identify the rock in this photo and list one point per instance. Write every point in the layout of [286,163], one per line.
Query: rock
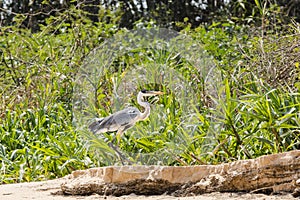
[296,192]
[267,174]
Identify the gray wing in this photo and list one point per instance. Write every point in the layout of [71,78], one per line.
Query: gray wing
[95,125]
[121,120]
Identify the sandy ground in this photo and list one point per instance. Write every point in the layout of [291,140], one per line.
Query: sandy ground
[47,190]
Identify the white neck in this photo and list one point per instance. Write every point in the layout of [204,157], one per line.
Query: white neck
[144,104]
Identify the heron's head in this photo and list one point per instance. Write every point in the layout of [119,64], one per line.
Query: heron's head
[148,93]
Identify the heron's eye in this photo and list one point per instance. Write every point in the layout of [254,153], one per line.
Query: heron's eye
[131,111]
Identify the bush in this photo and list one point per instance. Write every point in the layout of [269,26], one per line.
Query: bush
[258,112]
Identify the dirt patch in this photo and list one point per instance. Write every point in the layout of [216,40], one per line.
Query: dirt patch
[50,190]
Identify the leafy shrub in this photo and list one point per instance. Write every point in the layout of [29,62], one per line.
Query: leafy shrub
[258,113]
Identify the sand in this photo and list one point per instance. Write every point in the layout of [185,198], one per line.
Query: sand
[50,190]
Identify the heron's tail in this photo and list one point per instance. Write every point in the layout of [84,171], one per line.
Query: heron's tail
[95,126]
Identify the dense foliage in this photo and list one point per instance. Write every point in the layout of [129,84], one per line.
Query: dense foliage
[166,13]
[259,113]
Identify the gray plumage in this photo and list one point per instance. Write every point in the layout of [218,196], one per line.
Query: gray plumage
[123,119]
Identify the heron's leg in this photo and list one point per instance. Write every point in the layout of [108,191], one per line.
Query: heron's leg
[118,136]
[117,149]
[121,156]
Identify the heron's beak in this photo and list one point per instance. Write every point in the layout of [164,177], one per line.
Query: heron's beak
[155,92]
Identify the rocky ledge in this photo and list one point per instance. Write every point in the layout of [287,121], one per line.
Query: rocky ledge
[271,174]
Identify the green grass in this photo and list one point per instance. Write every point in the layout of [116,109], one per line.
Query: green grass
[248,116]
